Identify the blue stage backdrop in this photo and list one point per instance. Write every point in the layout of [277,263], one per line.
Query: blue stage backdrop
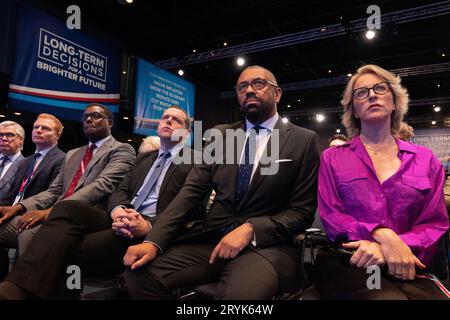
[156,90]
[436,139]
[60,71]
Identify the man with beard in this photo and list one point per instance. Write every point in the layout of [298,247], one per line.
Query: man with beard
[245,243]
[89,174]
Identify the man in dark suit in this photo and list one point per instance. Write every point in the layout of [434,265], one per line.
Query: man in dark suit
[96,241]
[245,242]
[34,174]
[89,174]
[12,136]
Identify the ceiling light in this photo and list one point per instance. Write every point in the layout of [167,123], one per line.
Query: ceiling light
[370,34]
[329,71]
[338,130]
[17,113]
[2,116]
[194,51]
[124,72]
[285,120]
[433,122]
[437,109]
[288,105]
[129,1]
[181,72]
[320,117]
[299,100]
[129,140]
[438,85]
[125,118]
[240,61]
[443,54]
[225,44]
[349,75]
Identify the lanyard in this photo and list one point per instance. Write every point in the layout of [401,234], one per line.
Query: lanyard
[436,281]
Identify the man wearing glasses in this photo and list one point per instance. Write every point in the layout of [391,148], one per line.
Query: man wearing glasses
[246,242]
[89,174]
[11,143]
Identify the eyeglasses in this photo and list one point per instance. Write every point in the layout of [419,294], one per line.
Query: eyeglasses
[8,135]
[380,88]
[93,116]
[257,84]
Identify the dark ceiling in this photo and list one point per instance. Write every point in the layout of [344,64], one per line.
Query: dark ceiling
[160,30]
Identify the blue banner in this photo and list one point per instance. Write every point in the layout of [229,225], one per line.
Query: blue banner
[60,71]
[436,139]
[156,90]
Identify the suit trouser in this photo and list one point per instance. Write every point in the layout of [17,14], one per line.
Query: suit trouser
[11,238]
[75,233]
[248,276]
[336,279]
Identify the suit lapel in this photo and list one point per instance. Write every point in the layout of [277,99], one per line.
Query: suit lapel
[257,177]
[97,156]
[142,174]
[72,165]
[11,171]
[43,164]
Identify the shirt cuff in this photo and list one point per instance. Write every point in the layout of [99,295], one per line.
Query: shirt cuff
[253,242]
[159,248]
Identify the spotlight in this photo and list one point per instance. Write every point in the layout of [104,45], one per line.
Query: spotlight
[329,71]
[194,51]
[181,72]
[438,85]
[288,105]
[129,140]
[437,109]
[125,118]
[443,54]
[17,113]
[225,44]
[240,61]
[370,34]
[349,75]
[320,117]
[285,120]
[338,130]
[433,122]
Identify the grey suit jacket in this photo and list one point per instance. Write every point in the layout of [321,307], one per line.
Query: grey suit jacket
[109,165]
[7,181]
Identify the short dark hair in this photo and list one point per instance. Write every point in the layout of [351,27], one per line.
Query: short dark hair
[105,109]
[338,137]
[187,122]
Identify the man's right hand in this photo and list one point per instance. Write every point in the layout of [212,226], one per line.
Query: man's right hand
[139,255]
[7,213]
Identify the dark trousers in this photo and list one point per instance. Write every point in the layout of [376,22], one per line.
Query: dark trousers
[336,279]
[74,234]
[248,276]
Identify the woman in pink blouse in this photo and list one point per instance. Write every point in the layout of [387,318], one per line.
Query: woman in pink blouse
[379,196]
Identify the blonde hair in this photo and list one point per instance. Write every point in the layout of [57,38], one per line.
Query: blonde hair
[406,132]
[58,124]
[400,94]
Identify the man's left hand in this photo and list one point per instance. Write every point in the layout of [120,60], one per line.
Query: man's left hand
[233,243]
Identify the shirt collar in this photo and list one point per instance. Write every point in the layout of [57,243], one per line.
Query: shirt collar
[99,143]
[356,143]
[173,151]
[268,124]
[13,157]
[43,152]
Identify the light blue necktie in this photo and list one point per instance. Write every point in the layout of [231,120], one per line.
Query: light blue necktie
[151,182]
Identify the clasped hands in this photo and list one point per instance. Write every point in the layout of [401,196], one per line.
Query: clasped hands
[228,248]
[388,249]
[129,223]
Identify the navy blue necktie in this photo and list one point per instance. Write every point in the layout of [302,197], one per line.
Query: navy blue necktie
[2,165]
[28,173]
[246,167]
[151,182]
